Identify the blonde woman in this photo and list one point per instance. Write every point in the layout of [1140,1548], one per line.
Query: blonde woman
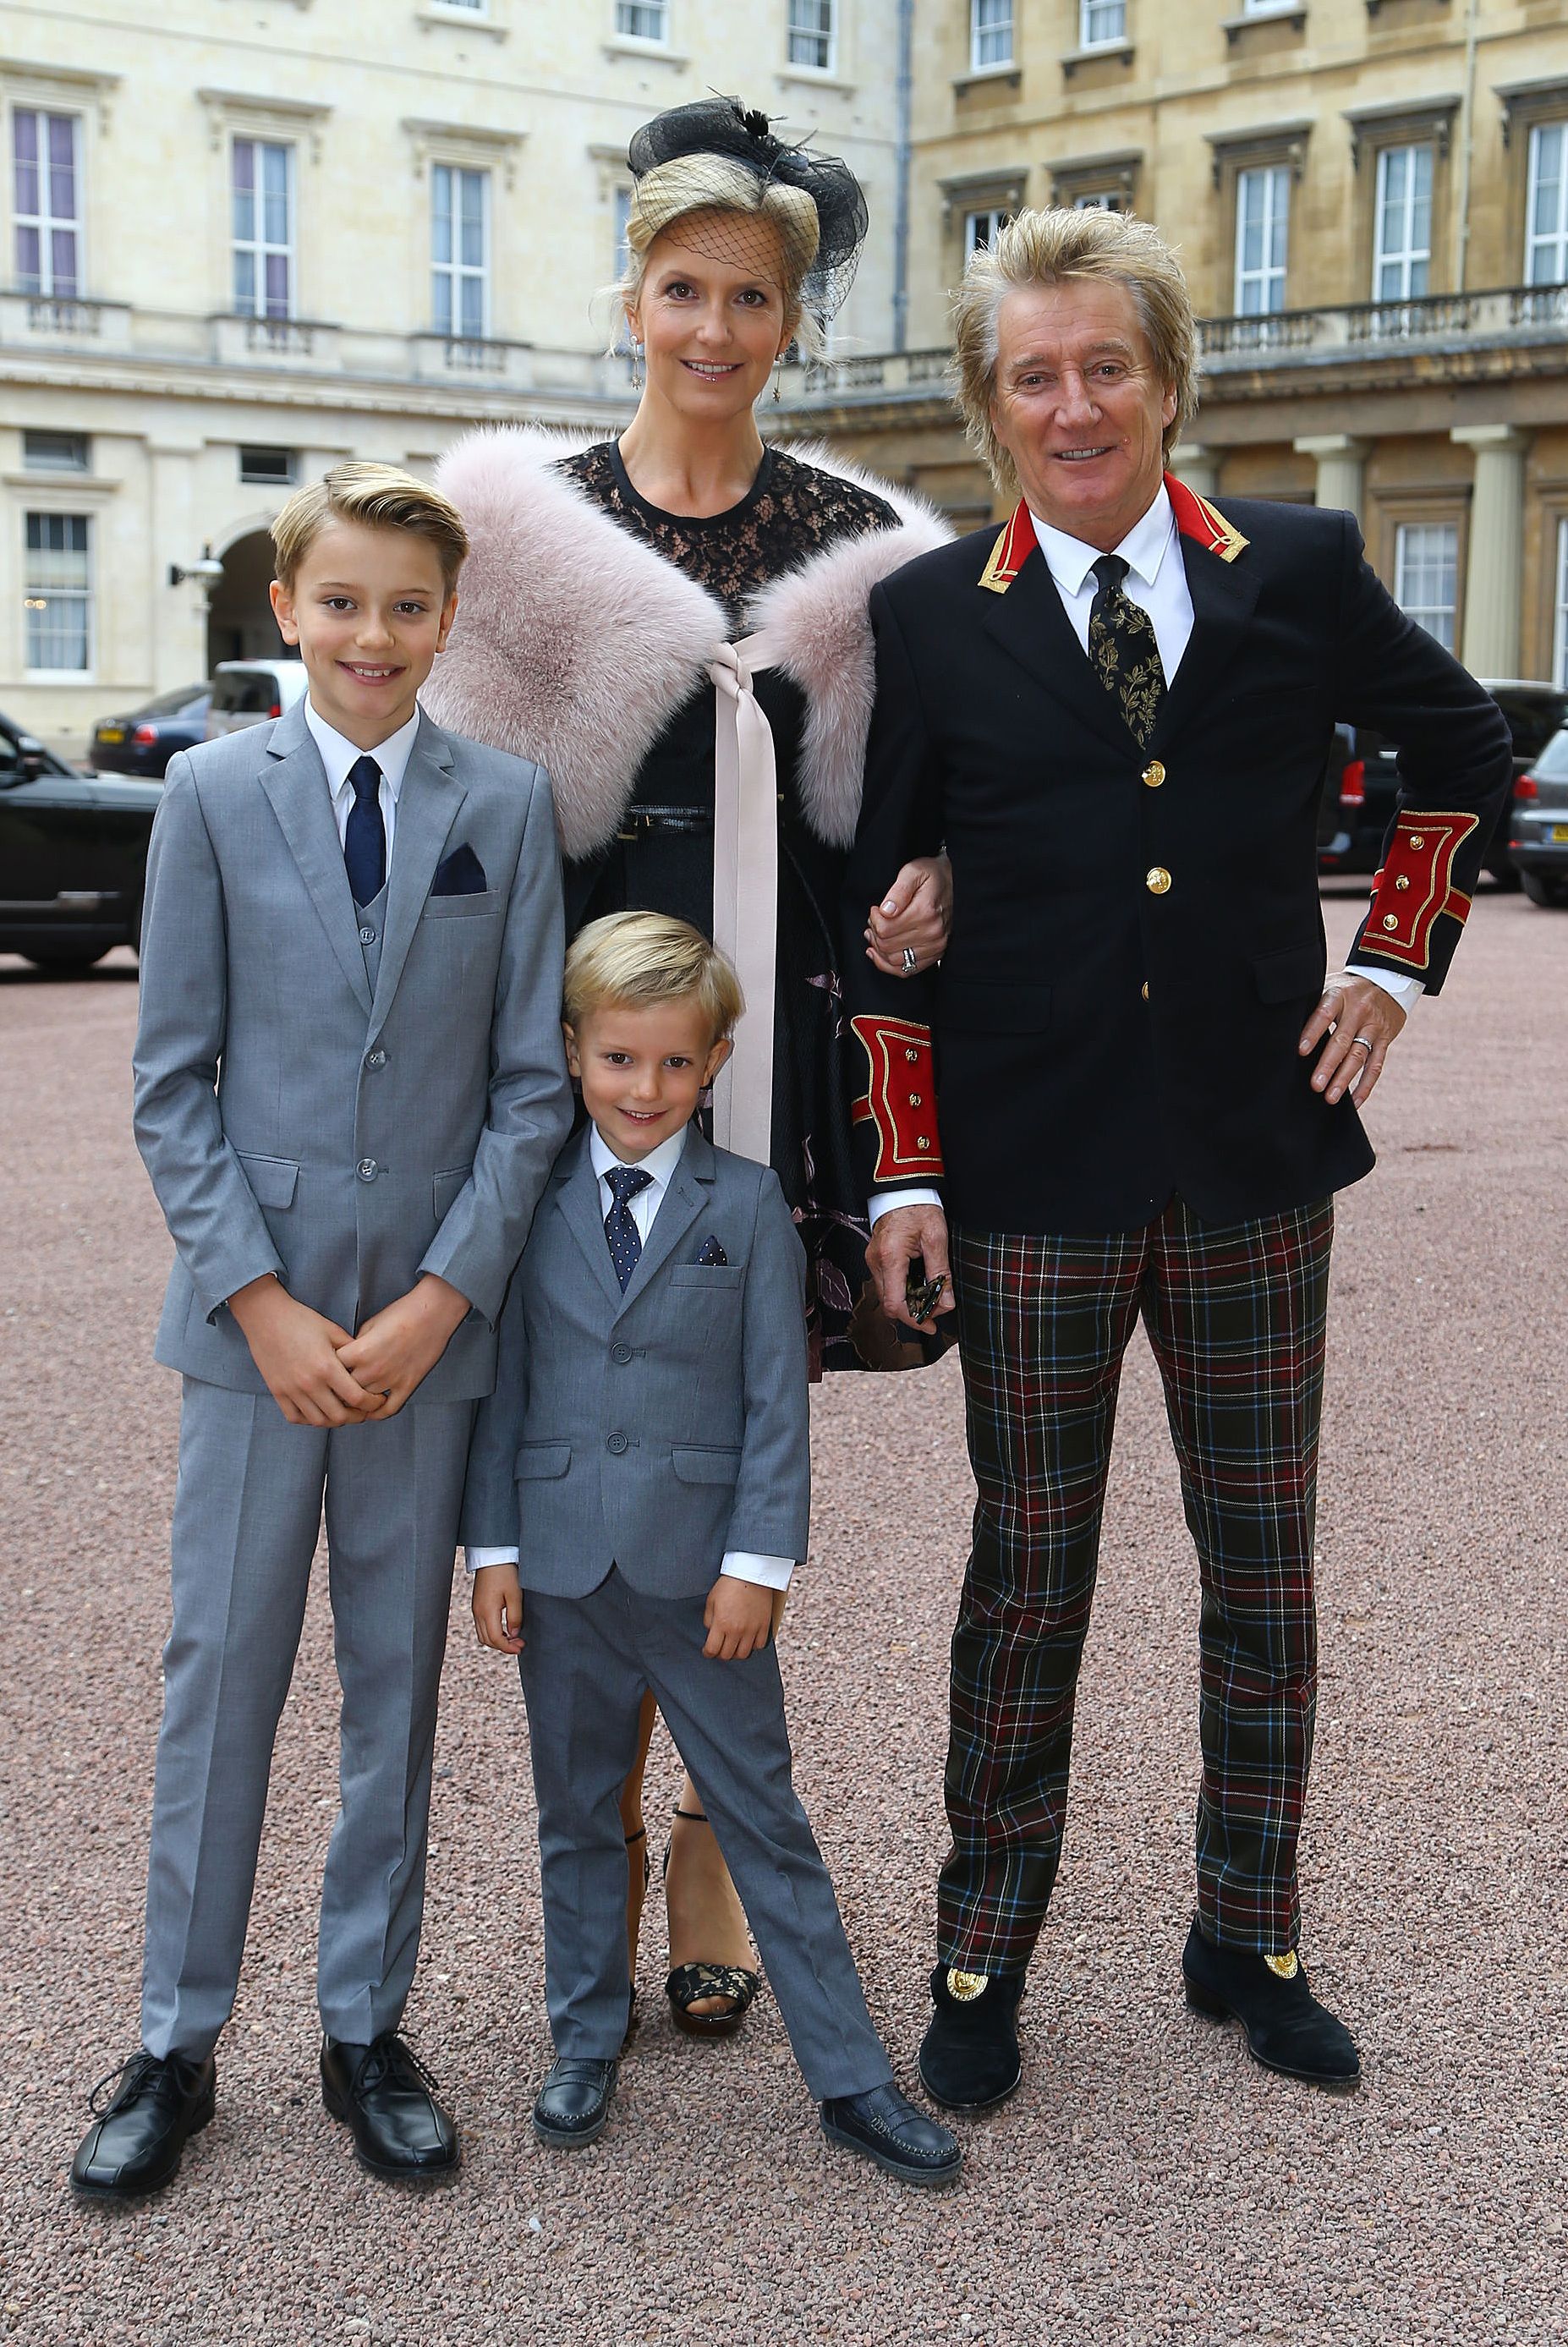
[675,624]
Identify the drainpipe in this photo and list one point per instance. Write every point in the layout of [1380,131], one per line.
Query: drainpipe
[904,93]
[1466,147]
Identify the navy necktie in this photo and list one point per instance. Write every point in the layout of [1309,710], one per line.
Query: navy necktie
[364,840]
[620,1225]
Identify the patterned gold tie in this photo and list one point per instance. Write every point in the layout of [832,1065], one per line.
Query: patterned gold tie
[1124,651]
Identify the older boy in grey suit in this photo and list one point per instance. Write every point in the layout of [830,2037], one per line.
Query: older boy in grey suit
[349,1091]
[645,1460]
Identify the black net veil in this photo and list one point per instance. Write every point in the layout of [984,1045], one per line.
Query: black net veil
[713,166]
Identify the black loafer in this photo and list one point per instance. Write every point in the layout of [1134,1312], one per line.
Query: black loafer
[573,2103]
[970,2057]
[385,2096]
[883,2126]
[135,2142]
[1286,2029]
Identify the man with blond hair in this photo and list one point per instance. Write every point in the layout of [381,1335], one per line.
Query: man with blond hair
[1131,1089]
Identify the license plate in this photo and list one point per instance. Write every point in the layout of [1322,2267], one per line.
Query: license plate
[111,733]
[1560,834]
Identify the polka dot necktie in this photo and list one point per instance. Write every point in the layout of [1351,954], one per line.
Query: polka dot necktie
[365,835]
[619,1224]
[1125,650]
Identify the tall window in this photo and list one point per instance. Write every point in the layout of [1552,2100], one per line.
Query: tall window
[46,202]
[1560,611]
[1426,575]
[1547,223]
[460,251]
[991,34]
[643,20]
[983,229]
[1402,236]
[1100,22]
[1262,223]
[57,592]
[1100,199]
[263,229]
[812,33]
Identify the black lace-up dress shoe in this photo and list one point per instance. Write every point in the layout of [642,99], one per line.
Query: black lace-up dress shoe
[573,2103]
[968,2056]
[1286,2029]
[385,2096]
[885,2126]
[135,2142]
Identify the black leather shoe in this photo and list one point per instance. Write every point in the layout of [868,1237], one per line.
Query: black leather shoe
[1286,2029]
[970,2057]
[573,2103]
[886,2127]
[385,2096]
[136,2139]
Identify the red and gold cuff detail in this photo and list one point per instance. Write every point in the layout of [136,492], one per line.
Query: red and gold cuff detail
[1416,885]
[900,1100]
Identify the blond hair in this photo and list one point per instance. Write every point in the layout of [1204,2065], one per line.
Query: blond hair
[630,960]
[1050,247]
[379,496]
[688,184]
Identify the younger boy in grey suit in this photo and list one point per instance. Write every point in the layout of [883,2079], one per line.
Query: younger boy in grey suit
[642,1470]
[349,1091]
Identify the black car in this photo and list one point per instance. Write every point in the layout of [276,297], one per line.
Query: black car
[72,855]
[144,742]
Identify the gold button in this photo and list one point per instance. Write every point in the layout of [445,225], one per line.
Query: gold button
[1401,884]
[1145,989]
[1153,773]
[1390,920]
[922,1142]
[1156,880]
[914,1100]
[1417,840]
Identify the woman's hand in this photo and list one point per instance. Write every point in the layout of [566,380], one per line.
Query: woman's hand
[914,917]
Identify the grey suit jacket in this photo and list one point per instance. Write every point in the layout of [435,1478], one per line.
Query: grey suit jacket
[658,1429]
[292,1123]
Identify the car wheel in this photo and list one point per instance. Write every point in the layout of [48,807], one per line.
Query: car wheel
[1541,888]
[68,959]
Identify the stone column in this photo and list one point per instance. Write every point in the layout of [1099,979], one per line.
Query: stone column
[1495,573]
[1341,469]
[1198,467]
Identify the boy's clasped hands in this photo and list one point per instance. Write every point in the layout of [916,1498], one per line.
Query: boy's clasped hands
[321,1376]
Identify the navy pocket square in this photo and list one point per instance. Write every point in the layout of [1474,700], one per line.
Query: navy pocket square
[712,1253]
[461,873]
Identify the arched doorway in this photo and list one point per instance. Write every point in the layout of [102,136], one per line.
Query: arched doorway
[239,622]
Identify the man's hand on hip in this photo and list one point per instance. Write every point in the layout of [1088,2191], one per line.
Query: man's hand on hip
[899,1238]
[1360,1020]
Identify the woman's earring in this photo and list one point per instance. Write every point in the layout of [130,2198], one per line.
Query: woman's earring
[778,375]
[636,366]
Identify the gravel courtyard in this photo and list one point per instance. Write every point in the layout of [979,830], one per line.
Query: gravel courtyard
[1149,2183]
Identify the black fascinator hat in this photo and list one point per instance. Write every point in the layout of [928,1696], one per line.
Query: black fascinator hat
[820,256]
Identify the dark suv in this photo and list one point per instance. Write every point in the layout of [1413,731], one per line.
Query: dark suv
[72,855]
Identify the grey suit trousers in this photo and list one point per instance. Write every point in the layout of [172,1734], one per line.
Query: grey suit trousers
[585,1666]
[247,1515]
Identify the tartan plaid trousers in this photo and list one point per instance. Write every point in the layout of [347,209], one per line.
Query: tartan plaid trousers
[1236,1319]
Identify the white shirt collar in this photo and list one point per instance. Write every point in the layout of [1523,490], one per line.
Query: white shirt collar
[339,754]
[659,1162]
[1143,548]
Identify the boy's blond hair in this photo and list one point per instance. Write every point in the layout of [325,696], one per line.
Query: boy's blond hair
[630,960]
[379,496]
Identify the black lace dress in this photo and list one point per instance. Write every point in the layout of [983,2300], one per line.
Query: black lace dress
[664,863]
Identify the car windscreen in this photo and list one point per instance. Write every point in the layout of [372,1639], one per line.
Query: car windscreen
[247,692]
[190,699]
[1553,762]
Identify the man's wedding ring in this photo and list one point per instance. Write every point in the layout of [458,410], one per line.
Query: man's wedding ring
[911,961]
[1364,1041]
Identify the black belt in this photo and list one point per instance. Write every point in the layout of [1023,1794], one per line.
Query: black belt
[638,822]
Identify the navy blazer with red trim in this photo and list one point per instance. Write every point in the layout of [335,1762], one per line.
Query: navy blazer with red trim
[1137,941]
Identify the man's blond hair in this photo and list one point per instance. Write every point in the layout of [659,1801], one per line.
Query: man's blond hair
[379,496]
[1056,247]
[631,960]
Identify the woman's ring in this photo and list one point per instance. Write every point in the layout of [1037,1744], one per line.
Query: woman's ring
[911,961]
[1364,1041]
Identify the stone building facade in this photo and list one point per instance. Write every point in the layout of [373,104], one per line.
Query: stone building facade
[244,238]
[1371,198]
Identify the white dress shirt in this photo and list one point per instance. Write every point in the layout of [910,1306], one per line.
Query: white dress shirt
[339,754]
[766,1571]
[1156,581]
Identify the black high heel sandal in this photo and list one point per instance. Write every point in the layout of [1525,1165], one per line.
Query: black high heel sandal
[687,1983]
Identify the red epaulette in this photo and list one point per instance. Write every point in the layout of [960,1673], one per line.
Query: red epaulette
[900,1098]
[1416,885]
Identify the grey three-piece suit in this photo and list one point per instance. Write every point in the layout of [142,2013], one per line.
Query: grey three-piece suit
[632,1439]
[348,1098]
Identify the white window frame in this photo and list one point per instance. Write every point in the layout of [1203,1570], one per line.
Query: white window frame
[996,215]
[1414,576]
[821,35]
[1409,256]
[627,28]
[258,245]
[1560,608]
[1272,181]
[1102,24]
[1100,199]
[32,586]
[1546,250]
[455,272]
[990,36]
[46,222]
